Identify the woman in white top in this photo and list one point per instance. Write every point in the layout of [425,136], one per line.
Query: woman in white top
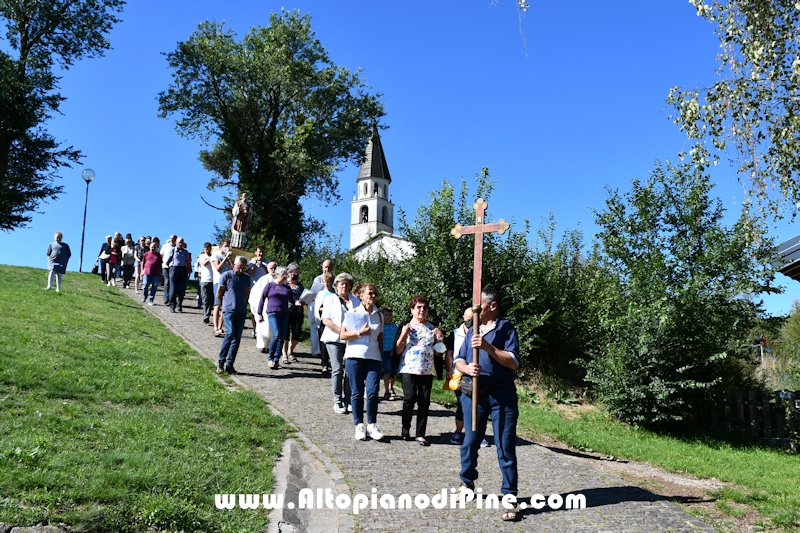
[334,308]
[364,362]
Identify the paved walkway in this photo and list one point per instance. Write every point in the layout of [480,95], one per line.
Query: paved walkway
[329,457]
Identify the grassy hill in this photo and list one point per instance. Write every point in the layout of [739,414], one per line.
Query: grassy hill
[108,422]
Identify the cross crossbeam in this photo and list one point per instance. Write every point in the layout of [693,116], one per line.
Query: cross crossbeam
[479,229]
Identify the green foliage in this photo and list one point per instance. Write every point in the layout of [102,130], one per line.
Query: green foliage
[41,33]
[790,333]
[549,290]
[282,118]
[684,278]
[753,107]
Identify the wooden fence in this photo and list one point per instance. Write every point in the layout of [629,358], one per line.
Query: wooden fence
[774,417]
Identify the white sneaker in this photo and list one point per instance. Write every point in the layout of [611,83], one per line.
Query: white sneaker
[338,408]
[360,433]
[373,432]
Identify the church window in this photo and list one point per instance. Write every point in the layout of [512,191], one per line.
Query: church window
[364,214]
[366,190]
[385,215]
[375,190]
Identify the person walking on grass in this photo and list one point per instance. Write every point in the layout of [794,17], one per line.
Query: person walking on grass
[233,290]
[58,254]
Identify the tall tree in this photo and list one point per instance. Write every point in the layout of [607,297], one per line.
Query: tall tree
[754,107]
[282,118]
[684,277]
[42,34]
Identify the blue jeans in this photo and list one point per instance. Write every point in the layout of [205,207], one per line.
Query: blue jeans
[501,403]
[364,372]
[234,325]
[150,287]
[279,325]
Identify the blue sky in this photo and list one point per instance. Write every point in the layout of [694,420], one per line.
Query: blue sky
[580,108]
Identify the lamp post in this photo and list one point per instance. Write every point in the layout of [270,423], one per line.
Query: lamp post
[88,176]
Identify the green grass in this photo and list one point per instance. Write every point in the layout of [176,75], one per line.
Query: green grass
[108,422]
[767,478]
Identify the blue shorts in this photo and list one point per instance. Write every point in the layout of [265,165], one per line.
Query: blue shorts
[216,301]
[387,363]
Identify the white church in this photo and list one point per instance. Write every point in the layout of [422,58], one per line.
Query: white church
[372,211]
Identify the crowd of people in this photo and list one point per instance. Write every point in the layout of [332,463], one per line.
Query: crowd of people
[357,342]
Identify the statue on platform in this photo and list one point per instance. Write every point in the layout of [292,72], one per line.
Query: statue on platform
[242,212]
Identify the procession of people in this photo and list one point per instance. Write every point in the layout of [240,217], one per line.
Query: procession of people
[356,341]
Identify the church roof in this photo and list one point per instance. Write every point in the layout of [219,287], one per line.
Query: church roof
[374,165]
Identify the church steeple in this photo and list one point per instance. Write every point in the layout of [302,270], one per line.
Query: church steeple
[374,165]
[371,210]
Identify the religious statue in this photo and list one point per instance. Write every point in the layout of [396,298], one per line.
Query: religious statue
[242,212]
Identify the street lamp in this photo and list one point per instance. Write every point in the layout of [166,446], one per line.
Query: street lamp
[88,176]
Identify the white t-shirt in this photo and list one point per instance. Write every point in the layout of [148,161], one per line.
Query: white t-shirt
[371,350]
[334,311]
[258,271]
[219,258]
[206,271]
[165,250]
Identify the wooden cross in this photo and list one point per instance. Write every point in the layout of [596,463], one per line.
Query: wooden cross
[478,230]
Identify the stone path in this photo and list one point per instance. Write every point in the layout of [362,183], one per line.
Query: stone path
[329,457]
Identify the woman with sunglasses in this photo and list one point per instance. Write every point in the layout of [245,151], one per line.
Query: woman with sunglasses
[416,344]
[364,363]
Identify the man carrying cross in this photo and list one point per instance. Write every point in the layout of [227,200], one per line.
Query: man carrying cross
[488,359]
[497,363]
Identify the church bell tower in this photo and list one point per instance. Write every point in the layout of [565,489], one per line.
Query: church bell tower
[371,212]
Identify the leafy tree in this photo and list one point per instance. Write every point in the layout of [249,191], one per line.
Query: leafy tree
[41,33]
[754,107]
[684,280]
[281,116]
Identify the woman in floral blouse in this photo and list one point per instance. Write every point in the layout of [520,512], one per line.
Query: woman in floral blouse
[416,346]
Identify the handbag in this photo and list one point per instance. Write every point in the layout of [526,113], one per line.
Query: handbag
[104,255]
[95,269]
[465,386]
[453,383]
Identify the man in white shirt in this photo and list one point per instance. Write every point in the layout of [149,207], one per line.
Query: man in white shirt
[313,317]
[256,268]
[206,282]
[221,262]
[165,251]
